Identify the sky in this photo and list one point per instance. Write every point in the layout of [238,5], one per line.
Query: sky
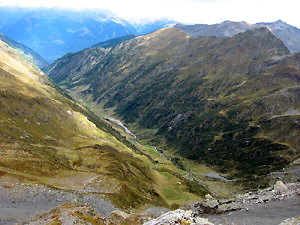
[186,11]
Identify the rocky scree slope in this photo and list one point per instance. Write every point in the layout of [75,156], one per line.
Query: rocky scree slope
[228,102]
[290,35]
[46,138]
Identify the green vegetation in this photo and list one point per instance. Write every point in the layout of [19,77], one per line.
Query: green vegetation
[25,52]
[47,138]
[218,101]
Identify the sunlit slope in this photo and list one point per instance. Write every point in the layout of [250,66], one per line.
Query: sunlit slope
[26,52]
[47,138]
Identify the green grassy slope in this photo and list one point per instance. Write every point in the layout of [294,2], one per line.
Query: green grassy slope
[25,51]
[47,138]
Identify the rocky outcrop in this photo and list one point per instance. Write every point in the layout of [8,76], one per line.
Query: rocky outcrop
[280,187]
[190,214]
[179,217]
[210,205]
[194,213]
[214,206]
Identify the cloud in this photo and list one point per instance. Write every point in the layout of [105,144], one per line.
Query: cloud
[186,11]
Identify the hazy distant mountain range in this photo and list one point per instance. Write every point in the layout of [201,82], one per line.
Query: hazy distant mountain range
[54,32]
[148,26]
[290,35]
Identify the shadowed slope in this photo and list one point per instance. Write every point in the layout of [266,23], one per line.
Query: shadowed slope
[211,99]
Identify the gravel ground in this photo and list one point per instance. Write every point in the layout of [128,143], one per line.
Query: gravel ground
[269,213]
[20,202]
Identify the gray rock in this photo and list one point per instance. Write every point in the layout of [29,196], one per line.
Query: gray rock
[178,217]
[265,198]
[226,201]
[233,206]
[155,211]
[211,203]
[208,197]
[280,187]
[189,206]
[291,221]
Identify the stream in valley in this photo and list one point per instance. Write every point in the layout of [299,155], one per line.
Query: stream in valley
[210,175]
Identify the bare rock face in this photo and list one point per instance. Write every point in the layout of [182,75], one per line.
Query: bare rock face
[210,205]
[213,206]
[178,216]
[233,206]
[280,187]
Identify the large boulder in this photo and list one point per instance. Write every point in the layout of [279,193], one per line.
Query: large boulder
[178,216]
[233,206]
[280,187]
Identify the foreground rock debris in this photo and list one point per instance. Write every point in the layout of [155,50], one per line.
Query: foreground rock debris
[178,216]
[76,212]
[291,221]
[210,205]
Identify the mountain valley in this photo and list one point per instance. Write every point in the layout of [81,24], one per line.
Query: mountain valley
[219,95]
[104,121]
[54,150]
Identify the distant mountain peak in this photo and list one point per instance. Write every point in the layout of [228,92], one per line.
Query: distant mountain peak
[264,40]
[280,21]
[290,35]
[261,31]
[227,22]
[145,26]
